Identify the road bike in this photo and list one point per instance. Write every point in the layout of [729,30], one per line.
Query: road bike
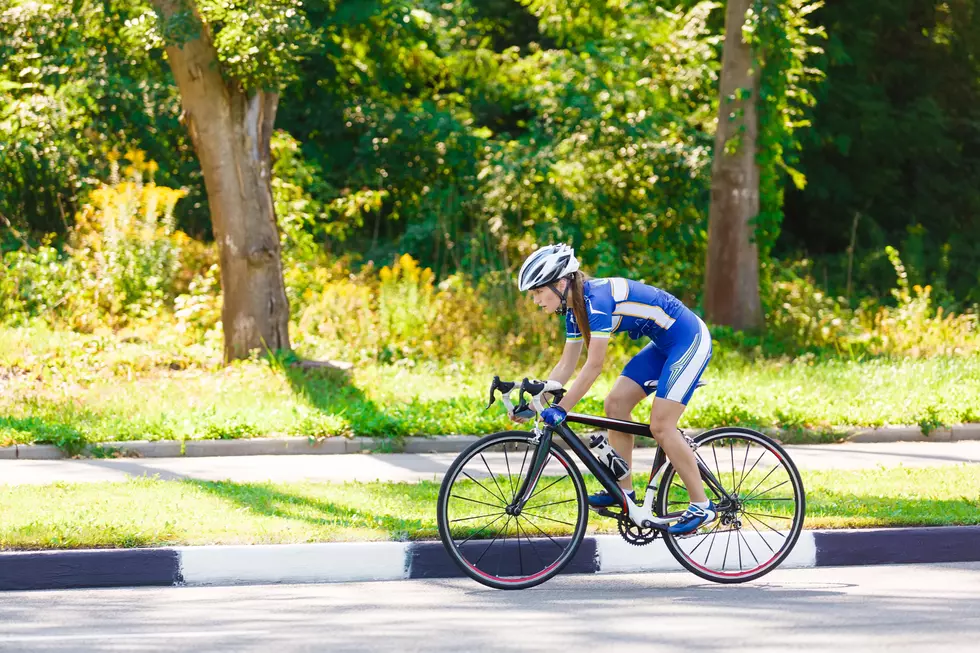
[513,507]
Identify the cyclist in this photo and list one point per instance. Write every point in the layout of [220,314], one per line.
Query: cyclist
[676,356]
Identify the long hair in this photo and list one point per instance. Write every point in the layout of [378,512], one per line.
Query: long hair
[577,302]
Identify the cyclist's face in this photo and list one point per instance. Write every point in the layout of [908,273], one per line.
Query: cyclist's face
[546,298]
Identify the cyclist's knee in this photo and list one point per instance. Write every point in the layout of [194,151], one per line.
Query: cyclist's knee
[661,429]
[617,406]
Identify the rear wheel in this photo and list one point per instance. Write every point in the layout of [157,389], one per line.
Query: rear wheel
[758,528]
[498,549]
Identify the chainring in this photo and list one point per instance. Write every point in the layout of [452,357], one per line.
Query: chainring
[637,535]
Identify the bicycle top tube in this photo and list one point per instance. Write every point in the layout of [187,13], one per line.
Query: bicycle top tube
[623,426]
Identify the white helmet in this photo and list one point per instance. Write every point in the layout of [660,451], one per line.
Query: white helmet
[546,266]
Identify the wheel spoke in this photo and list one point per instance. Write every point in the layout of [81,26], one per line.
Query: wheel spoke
[453,521]
[557,521]
[761,536]
[760,514]
[540,490]
[490,545]
[553,503]
[752,469]
[482,529]
[731,448]
[495,496]
[744,461]
[762,481]
[531,542]
[520,554]
[747,546]
[492,477]
[769,490]
[728,543]
[539,530]
[759,521]
[714,453]
[704,537]
[482,503]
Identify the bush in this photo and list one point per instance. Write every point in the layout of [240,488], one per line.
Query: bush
[803,318]
[124,260]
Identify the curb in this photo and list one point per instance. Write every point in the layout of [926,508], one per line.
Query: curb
[299,445]
[373,561]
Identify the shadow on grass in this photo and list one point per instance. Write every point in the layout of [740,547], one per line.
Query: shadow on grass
[268,500]
[333,393]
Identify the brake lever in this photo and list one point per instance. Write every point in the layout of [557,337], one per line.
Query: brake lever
[505,387]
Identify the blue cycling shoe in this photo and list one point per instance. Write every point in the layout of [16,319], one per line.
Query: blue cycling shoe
[605,500]
[694,518]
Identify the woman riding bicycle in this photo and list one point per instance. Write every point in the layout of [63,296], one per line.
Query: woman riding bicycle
[673,361]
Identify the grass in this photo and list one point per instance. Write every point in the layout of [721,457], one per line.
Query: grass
[71,389]
[152,512]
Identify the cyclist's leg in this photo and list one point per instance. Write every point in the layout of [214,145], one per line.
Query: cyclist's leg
[686,362]
[628,391]
[620,402]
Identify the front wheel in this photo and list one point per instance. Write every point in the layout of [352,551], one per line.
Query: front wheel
[758,526]
[494,547]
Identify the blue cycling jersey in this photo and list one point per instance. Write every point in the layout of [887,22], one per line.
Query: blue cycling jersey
[616,304]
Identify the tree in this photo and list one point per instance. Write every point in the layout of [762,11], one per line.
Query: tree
[762,106]
[229,61]
[731,294]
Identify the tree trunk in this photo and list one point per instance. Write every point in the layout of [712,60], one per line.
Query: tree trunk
[732,267]
[231,132]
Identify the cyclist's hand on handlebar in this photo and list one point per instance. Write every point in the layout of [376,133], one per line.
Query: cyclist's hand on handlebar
[554,415]
[520,416]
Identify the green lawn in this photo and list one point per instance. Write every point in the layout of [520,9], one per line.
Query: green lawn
[70,389]
[149,512]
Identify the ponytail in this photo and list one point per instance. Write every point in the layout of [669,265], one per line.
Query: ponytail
[577,302]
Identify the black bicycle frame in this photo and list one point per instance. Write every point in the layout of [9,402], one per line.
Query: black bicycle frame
[600,471]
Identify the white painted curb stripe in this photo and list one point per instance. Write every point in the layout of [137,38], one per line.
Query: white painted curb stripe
[617,556]
[294,563]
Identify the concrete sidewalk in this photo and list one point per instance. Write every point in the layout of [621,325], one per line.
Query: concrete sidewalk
[430,467]
[434,444]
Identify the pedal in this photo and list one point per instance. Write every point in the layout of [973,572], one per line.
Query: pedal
[606,512]
[686,535]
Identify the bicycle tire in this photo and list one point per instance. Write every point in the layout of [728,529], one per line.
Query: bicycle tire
[455,545]
[684,549]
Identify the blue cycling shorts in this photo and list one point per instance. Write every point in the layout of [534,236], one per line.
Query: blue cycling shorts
[675,363]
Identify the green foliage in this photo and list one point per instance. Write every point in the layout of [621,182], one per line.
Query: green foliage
[125,260]
[76,82]
[258,43]
[484,145]
[893,150]
[801,317]
[782,41]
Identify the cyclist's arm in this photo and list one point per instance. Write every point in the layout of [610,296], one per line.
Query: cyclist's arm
[566,366]
[589,373]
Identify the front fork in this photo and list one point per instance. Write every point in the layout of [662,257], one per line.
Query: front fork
[542,439]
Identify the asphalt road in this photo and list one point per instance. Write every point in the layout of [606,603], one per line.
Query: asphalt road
[415,467]
[909,608]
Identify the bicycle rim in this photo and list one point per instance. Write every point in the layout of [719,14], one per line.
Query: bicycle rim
[757,531]
[501,550]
